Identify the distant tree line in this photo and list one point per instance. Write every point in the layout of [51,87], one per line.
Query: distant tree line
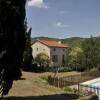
[86,57]
[80,58]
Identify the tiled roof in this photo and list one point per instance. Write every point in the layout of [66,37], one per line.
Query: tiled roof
[52,43]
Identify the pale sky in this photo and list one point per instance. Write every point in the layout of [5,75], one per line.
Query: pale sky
[64,18]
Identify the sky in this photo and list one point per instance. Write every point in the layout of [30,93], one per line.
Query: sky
[63,18]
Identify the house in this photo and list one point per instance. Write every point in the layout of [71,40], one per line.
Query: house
[56,51]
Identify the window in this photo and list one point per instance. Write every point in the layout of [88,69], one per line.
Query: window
[63,59]
[54,49]
[54,58]
[37,49]
[63,49]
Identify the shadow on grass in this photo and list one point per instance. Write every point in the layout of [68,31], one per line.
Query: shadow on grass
[46,97]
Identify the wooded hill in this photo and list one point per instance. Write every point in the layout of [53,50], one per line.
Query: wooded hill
[72,42]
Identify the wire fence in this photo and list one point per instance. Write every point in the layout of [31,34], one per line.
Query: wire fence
[89,89]
[73,79]
[76,81]
[58,82]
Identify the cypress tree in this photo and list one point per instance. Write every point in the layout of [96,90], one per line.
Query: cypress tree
[12,41]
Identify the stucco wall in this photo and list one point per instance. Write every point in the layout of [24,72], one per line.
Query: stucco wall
[59,52]
[41,48]
[50,52]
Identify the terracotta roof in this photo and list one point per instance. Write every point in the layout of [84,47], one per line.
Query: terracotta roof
[52,43]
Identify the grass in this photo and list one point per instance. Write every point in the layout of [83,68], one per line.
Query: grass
[35,87]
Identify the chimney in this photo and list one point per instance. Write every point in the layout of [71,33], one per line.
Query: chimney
[59,42]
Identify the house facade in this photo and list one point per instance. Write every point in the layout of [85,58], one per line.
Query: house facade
[56,51]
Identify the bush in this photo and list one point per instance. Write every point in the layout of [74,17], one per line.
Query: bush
[42,59]
[93,69]
[60,69]
[92,97]
[65,69]
[68,89]
[81,69]
[44,77]
[98,66]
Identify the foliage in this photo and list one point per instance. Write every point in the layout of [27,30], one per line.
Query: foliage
[87,56]
[44,77]
[72,42]
[12,41]
[42,60]
[98,66]
[61,69]
[27,58]
[65,69]
[75,59]
[68,89]
[92,97]
[94,69]
[83,54]
[91,51]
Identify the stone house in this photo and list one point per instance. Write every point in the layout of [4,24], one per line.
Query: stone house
[56,51]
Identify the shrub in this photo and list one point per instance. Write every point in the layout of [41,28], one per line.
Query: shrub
[92,97]
[65,69]
[68,89]
[60,69]
[44,77]
[42,59]
[94,69]
[98,66]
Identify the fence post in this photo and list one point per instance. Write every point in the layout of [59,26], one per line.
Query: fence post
[49,80]
[78,88]
[98,91]
[62,83]
[94,89]
[57,81]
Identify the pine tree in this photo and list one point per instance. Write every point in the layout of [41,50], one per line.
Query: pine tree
[12,41]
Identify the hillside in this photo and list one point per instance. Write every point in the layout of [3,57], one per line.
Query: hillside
[72,42]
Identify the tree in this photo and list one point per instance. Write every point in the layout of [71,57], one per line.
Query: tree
[12,41]
[75,59]
[27,58]
[87,56]
[42,59]
[89,49]
[98,52]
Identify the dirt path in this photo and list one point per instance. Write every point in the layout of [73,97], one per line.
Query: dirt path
[33,87]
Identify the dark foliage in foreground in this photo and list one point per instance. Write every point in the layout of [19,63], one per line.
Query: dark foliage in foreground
[12,41]
[46,97]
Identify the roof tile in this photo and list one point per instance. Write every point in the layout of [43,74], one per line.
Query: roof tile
[53,43]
